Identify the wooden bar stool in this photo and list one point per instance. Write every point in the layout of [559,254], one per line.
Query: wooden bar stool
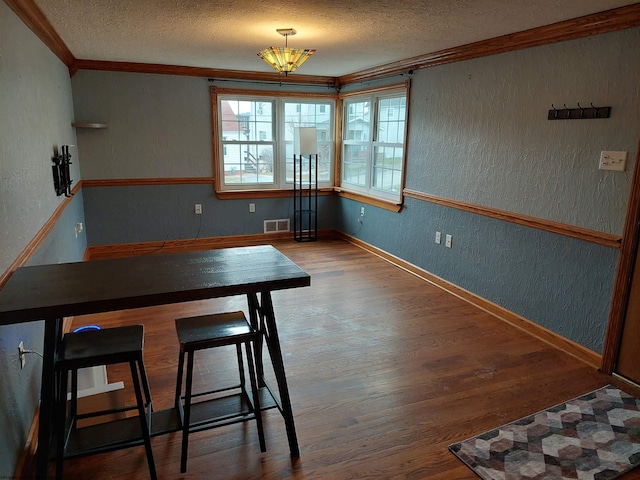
[210,331]
[90,348]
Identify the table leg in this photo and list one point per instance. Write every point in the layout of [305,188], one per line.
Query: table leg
[255,317]
[275,352]
[52,338]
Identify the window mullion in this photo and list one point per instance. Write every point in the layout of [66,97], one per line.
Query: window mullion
[373,135]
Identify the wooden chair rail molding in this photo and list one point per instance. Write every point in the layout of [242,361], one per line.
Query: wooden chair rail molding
[600,238]
[228,195]
[132,182]
[37,239]
[595,24]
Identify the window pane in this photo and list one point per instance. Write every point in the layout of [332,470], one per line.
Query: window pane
[247,120]
[357,122]
[248,163]
[354,164]
[387,168]
[391,120]
[319,115]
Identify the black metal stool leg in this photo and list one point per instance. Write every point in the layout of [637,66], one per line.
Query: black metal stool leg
[143,420]
[243,381]
[178,402]
[145,384]
[187,413]
[61,422]
[257,409]
[255,319]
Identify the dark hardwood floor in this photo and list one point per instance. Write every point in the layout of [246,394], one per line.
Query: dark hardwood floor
[385,371]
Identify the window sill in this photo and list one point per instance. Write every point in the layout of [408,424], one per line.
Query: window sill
[235,194]
[279,193]
[376,202]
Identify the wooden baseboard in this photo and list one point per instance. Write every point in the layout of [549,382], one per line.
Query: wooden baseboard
[173,246]
[572,348]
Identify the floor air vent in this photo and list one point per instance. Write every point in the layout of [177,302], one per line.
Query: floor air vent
[272,226]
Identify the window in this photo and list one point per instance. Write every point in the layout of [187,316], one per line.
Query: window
[256,134]
[373,143]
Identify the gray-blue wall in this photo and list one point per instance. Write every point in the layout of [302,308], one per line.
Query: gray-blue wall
[148,213]
[35,116]
[560,283]
[482,134]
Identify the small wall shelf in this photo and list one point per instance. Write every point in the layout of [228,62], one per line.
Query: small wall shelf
[88,125]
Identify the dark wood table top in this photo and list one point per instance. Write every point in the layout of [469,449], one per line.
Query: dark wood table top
[60,290]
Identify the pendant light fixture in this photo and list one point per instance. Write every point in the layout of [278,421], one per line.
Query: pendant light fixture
[285,59]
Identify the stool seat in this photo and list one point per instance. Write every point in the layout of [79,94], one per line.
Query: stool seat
[90,348]
[210,331]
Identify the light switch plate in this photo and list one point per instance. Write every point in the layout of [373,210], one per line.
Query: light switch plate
[613,161]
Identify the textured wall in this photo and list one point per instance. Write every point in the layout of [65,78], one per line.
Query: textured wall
[35,115]
[158,125]
[484,137]
[118,215]
[558,282]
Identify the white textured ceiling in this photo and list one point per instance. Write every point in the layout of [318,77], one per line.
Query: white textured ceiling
[349,36]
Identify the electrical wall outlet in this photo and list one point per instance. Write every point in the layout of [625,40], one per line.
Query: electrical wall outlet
[613,161]
[362,211]
[252,208]
[438,238]
[197,209]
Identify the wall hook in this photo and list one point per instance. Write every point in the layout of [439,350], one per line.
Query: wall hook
[578,113]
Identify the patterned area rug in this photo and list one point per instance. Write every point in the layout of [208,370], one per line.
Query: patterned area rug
[596,436]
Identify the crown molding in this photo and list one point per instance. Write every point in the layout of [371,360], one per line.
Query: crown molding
[33,18]
[594,24]
[213,73]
